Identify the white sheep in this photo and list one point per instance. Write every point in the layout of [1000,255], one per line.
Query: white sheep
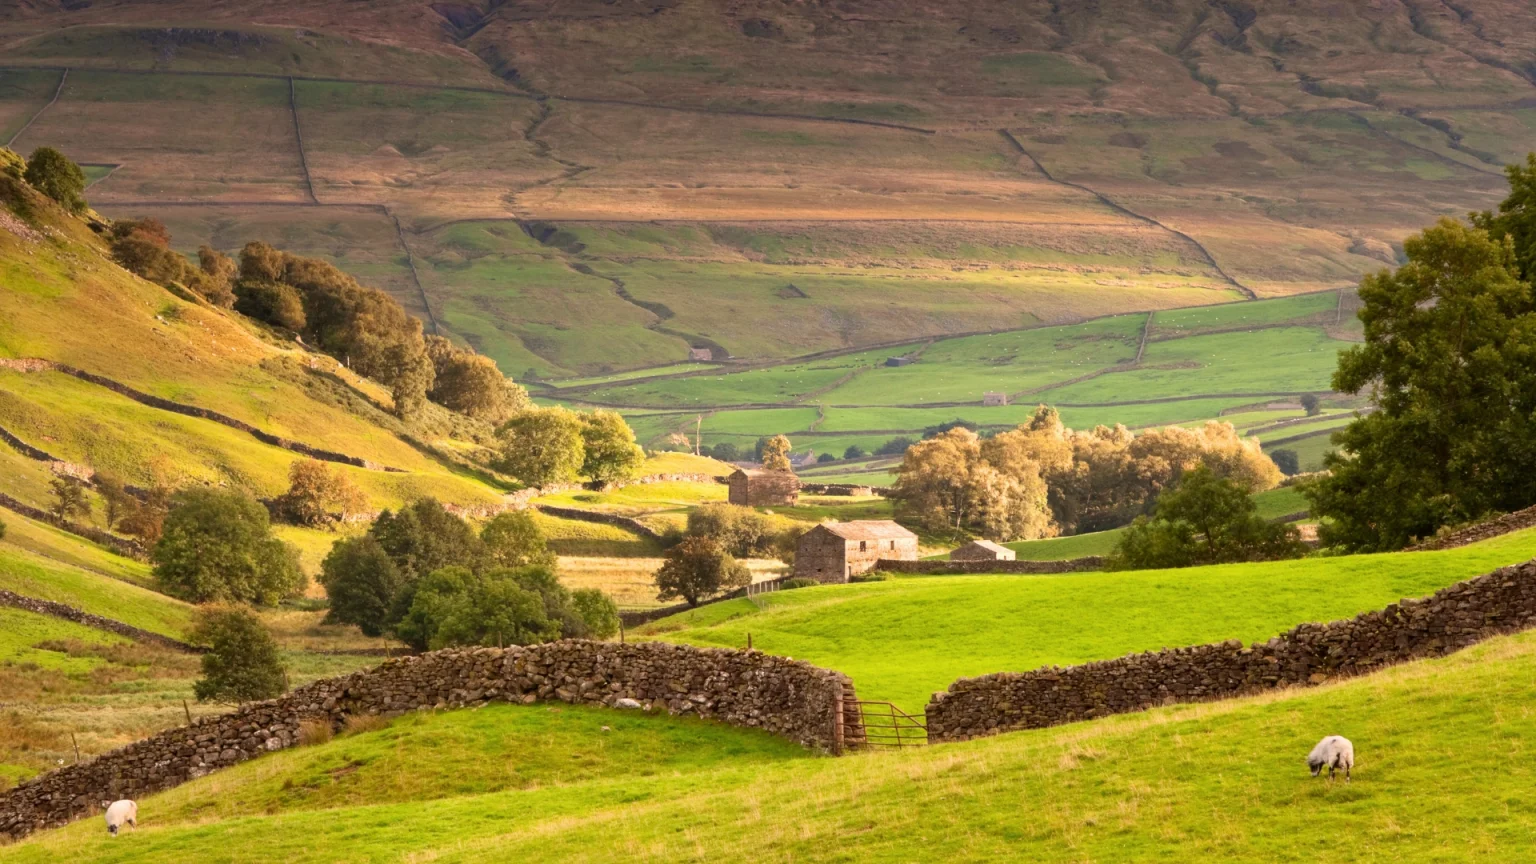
[1333,753]
[120,812]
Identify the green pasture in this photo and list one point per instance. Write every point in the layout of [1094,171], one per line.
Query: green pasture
[905,639]
[32,575]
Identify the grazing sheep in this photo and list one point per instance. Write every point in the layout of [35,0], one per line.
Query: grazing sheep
[1333,753]
[120,812]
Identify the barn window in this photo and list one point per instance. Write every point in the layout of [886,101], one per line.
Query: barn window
[893,544]
[863,547]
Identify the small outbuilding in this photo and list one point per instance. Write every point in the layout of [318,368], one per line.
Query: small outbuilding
[833,552]
[982,550]
[992,399]
[755,487]
[701,355]
[900,361]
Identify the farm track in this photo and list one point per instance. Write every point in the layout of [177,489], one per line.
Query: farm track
[63,76]
[1126,211]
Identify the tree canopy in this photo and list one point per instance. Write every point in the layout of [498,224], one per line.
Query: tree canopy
[243,663]
[699,568]
[217,545]
[1204,519]
[1449,359]
[53,174]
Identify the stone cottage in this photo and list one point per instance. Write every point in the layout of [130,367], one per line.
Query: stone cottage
[835,551]
[982,550]
[754,487]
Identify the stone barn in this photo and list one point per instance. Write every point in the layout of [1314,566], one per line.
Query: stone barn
[835,551]
[982,550]
[899,361]
[701,354]
[752,487]
[994,400]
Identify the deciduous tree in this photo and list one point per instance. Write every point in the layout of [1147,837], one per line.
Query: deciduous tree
[542,446]
[775,455]
[1205,519]
[53,174]
[218,546]
[361,581]
[243,663]
[699,568]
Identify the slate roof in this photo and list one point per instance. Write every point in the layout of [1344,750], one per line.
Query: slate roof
[870,529]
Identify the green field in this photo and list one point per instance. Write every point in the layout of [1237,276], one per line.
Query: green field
[905,639]
[36,576]
[1223,781]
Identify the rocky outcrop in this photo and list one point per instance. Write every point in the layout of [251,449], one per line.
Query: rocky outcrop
[935,568]
[743,688]
[1468,612]
[79,616]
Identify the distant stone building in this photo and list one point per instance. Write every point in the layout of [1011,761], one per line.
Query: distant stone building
[991,399]
[900,361]
[701,354]
[982,550]
[833,552]
[754,487]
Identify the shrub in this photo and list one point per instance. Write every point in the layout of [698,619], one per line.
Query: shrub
[698,568]
[318,493]
[513,539]
[740,531]
[1287,461]
[219,273]
[272,302]
[69,498]
[218,546]
[725,451]
[361,581]
[1205,519]
[826,457]
[597,611]
[854,451]
[53,174]
[455,606]
[894,447]
[243,663]
[315,731]
[1311,404]
[797,582]
[542,446]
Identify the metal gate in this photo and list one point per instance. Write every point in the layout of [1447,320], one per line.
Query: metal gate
[884,727]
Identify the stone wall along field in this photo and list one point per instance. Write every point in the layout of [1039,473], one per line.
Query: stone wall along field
[936,568]
[1503,601]
[793,699]
[79,616]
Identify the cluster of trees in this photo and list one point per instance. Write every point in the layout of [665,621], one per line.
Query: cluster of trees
[426,576]
[318,494]
[359,325]
[1043,479]
[544,446]
[704,563]
[216,545]
[725,451]
[1204,519]
[1449,359]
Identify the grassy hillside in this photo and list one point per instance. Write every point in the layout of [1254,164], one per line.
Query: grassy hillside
[904,639]
[1438,777]
[35,576]
[586,188]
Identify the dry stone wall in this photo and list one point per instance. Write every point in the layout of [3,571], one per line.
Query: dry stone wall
[121,545]
[933,568]
[625,522]
[744,688]
[70,613]
[1468,612]
[1516,521]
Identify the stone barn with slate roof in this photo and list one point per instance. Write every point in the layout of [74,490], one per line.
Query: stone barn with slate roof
[753,487]
[982,550]
[836,551]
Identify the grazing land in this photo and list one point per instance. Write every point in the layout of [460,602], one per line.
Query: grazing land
[903,639]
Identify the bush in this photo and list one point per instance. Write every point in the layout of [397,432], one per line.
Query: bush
[698,568]
[1205,519]
[740,531]
[1287,461]
[725,451]
[894,447]
[219,273]
[242,663]
[218,546]
[854,451]
[272,302]
[53,174]
[69,498]
[454,606]
[797,582]
[597,611]
[361,581]
[318,494]
[872,576]
[1311,404]
[513,539]
[826,457]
